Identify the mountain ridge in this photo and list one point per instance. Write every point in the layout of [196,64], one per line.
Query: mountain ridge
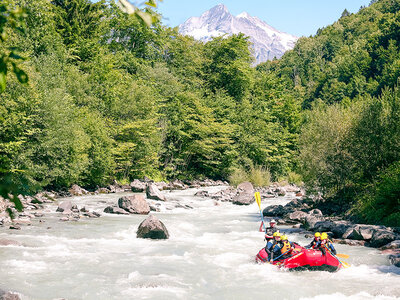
[267,42]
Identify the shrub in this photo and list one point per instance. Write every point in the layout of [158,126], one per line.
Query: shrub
[259,176]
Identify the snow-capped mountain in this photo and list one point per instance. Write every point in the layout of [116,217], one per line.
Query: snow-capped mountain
[267,41]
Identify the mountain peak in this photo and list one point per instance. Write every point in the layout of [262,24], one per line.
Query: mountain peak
[220,7]
[267,42]
[244,15]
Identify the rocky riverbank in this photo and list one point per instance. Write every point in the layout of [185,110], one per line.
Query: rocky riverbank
[303,213]
[33,206]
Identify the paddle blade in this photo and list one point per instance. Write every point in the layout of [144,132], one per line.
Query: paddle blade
[345,265]
[342,255]
[257,196]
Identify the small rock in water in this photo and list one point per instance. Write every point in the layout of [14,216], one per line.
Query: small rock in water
[66,206]
[152,228]
[15,226]
[115,210]
[202,194]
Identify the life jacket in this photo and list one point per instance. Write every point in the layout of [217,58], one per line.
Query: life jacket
[285,247]
[315,244]
[327,245]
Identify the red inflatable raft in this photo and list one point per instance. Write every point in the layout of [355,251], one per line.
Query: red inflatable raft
[304,259]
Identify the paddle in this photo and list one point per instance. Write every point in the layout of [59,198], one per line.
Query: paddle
[342,255]
[344,264]
[281,255]
[257,196]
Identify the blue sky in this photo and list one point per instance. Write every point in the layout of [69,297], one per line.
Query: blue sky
[297,17]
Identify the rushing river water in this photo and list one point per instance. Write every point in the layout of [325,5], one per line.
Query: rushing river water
[210,255]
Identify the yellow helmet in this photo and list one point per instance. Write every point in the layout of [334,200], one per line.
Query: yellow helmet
[284,238]
[324,236]
[276,234]
[317,234]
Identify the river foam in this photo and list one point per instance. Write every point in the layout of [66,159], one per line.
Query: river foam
[210,255]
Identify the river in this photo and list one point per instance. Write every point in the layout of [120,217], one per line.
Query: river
[210,255]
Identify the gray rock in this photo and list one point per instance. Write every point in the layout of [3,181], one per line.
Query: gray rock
[138,186]
[311,221]
[15,227]
[349,242]
[382,237]
[102,191]
[76,190]
[246,187]
[299,216]
[323,225]
[316,213]
[161,185]
[395,260]
[66,206]
[274,211]
[340,227]
[177,185]
[153,192]
[115,210]
[202,194]
[245,194]
[152,228]
[8,295]
[280,191]
[393,245]
[135,204]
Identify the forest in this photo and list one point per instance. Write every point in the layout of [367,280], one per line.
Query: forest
[89,94]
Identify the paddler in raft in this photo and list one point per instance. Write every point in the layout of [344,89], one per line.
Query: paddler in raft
[315,243]
[269,231]
[286,248]
[273,248]
[326,244]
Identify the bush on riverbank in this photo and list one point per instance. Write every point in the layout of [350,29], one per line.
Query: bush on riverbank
[380,202]
[258,176]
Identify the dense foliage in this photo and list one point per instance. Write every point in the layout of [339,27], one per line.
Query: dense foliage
[347,79]
[111,98]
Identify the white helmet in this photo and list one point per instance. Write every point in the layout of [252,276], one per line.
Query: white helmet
[272,221]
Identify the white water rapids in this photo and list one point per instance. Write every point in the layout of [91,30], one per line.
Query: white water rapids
[210,255]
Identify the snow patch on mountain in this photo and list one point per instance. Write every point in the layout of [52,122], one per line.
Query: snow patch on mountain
[267,41]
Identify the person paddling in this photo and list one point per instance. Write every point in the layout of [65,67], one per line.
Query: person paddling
[269,231]
[273,248]
[315,243]
[286,247]
[326,244]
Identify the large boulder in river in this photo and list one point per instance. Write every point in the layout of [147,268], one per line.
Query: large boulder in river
[395,260]
[135,204]
[245,194]
[152,192]
[393,245]
[152,228]
[138,186]
[8,295]
[76,190]
[382,237]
